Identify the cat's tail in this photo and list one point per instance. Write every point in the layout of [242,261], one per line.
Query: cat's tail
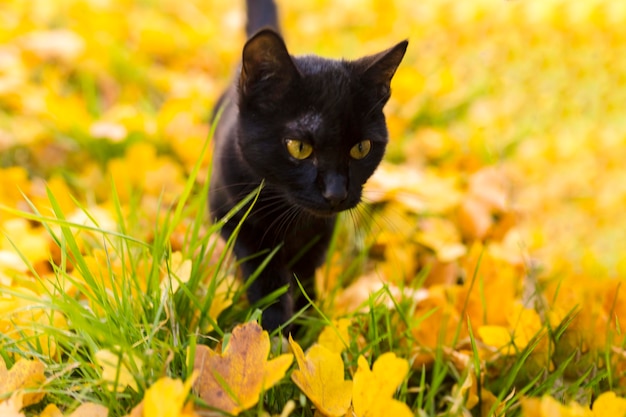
[261,14]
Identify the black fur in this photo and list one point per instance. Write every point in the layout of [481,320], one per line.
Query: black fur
[332,105]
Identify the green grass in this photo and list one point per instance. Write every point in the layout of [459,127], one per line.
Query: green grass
[127,312]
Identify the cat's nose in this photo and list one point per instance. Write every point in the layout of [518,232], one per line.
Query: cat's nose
[335,190]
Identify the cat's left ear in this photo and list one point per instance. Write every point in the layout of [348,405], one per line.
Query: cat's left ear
[267,68]
[376,71]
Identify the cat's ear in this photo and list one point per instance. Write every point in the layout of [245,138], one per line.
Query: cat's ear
[376,71]
[267,67]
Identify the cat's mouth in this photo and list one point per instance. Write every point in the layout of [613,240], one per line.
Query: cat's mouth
[317,209]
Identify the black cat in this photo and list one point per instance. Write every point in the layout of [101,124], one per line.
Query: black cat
[313,130]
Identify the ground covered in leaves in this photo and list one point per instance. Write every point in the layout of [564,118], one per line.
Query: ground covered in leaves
[483,276]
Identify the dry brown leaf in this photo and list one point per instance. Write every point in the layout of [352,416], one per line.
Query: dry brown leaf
[12,406]
[233,379]
[90,410]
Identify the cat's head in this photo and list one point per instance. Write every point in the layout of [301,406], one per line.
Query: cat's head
[313,128]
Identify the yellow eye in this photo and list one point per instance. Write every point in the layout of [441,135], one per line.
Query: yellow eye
[298,149]
[361,149]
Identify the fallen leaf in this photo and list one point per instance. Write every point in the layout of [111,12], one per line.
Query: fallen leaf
[498,337]
[442,237]
[51,410]
[118,375]
[465,394]
[335,336]
[177,271]
[475,219]
[167,398]
[91,410]
[355,297]
[546,406]
[233,379]
[84,410]
[25,374]
[321,377]
[372,392]
[437,322]
[12,406]
[609,404]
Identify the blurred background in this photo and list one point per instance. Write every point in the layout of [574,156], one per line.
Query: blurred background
[534,89]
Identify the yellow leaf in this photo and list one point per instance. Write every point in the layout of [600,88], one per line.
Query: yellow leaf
[51,410]
[222,299]
[321,378]
[475,219]
[496,336]
[24,374]
[166,398]
[30,242]
[547,406]
[437,322]
[233,379]
[117,375]
[609,404]
[526,324]
[335,337]
[441,236]
[178,271]
[372,393]
[490,404]
[389,371]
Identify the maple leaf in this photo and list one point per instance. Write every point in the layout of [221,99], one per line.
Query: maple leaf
[166,398]
[321,377]
[24,374]
[335,337]
[609,404]
[233,379]
[373,389]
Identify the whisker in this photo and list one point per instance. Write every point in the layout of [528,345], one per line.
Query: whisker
[276,226]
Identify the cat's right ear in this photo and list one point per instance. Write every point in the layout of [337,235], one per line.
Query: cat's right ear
[267,69]
[376,71]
